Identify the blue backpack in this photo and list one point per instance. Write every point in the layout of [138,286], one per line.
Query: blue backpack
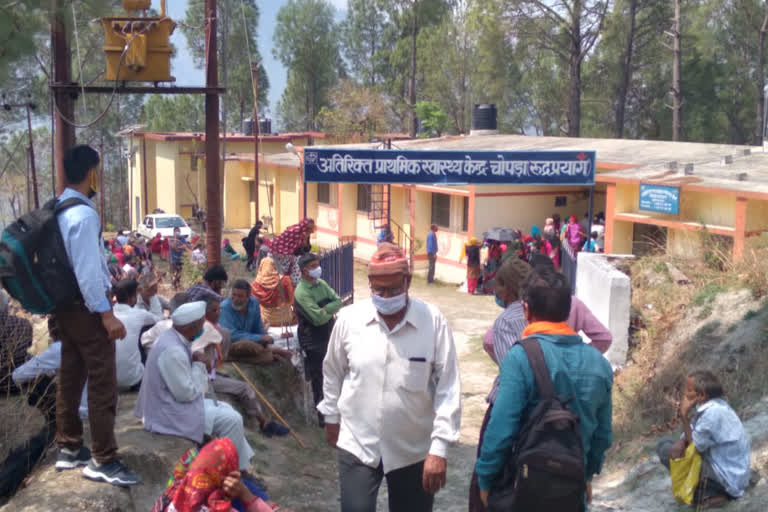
[34,267]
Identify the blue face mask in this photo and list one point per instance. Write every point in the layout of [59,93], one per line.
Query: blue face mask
[499,302]
[199,333]
[389,305]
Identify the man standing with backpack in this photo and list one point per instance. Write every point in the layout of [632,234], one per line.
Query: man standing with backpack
[88,328]
[551,421]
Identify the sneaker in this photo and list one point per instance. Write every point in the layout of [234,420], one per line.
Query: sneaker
[70,459]
[274,429]
[115,473]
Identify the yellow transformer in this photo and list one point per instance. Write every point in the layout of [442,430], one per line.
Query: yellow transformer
[138,49]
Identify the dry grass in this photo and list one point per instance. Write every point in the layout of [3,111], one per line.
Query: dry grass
[647,392]
[19,421]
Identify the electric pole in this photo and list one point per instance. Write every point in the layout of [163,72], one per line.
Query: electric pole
[212,167]
[255,78]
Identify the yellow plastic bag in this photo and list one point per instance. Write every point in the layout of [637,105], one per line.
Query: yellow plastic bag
[685,473]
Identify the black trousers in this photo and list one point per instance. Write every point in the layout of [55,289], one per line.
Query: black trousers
[432,258]
[314,362]
[360,486]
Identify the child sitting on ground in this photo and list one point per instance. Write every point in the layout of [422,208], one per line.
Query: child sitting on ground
[718,435]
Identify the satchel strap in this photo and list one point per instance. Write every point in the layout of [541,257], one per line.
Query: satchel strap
[538,364]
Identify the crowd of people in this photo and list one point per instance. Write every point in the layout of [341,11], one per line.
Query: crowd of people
[384,371]
[485,257]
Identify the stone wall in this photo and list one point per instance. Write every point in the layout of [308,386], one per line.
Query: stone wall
[607,292]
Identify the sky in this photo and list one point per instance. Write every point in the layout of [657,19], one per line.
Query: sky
[183,68]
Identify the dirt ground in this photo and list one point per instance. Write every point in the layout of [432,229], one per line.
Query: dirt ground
[306,480]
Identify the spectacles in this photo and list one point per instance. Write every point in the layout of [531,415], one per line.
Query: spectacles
[391,291]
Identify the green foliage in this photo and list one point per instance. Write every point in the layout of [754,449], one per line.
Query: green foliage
[169,113]
[307,43]
[707,294]
[433,119]
[354,110]
[20,25]
[28,82]
[363,38]
[236,36]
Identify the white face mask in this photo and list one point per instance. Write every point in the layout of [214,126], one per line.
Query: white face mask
[315,273]
[389,305]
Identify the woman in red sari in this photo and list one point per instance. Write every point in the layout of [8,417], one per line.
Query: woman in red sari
[289,245]
[275,294]
[209,482]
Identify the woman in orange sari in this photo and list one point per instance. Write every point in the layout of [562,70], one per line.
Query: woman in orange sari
[274,293]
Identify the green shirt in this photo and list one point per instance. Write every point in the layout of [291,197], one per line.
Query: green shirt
[309,295]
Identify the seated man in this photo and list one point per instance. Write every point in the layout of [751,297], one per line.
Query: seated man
[718,435]
[149,337]
[171,400]
[127,353]
[241,314]
[316,304]
[148,299]
[15,340]
[213,283]
[215,342]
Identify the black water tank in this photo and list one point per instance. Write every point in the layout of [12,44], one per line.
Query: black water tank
[484,116]
[248,127]
[265,126]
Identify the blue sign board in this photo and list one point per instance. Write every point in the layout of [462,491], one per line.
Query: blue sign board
[660,198]
[333,165]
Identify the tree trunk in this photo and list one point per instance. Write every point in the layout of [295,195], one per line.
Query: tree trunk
[574,73]
[626,76]
[412,82]
[677,94]
[760,118]
[574,93]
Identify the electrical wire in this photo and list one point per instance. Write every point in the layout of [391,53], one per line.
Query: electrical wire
[79,57]
[255,102]
[114,88]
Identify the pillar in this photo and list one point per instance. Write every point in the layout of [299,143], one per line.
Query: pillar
[610,211]
[740,228]
[471,213]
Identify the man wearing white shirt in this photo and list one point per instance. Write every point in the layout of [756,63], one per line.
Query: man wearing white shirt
[127,353]
[392,400]
[148,299]
[172,396]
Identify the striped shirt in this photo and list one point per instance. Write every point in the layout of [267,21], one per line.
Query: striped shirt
[507,331]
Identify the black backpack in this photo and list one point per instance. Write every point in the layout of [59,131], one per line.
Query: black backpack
[545,468]
[34,267]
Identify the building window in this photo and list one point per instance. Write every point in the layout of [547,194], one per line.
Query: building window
[193,163]
[251,191]
[441,210]
[465,214]
[271,195]
[324,193]
[561,201]
[363,198]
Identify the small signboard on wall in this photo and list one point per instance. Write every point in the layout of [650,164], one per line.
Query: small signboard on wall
[660,198]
